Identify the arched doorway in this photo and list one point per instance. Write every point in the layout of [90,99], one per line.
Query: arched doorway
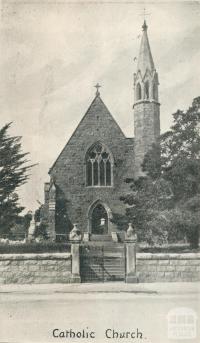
[99,216]
[99,220]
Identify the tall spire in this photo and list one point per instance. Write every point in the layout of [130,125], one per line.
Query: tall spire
[145,60]
[146,103]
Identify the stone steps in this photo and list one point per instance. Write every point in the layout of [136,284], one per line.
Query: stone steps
[101,238]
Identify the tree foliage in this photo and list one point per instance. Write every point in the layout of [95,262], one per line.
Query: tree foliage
[146,206]
[164,204]
[13,173]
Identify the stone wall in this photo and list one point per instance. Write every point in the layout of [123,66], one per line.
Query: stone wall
[168,267]
[35,268]
[58,268]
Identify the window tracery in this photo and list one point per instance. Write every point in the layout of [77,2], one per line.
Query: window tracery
[99,167]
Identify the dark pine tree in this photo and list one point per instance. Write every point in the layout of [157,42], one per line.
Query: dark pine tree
[14,169]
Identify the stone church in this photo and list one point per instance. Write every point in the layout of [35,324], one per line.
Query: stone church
[88,177]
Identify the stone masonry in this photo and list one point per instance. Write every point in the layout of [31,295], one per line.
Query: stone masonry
[57,268]
[35,268]
[146,128]
[168,267]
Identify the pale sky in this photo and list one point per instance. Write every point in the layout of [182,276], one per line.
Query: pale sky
[53,53]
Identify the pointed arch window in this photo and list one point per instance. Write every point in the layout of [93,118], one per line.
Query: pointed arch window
[99,166]
[154,91]
[146,90]
[138,92]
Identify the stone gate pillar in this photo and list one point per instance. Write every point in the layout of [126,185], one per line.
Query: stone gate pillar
[130,248]
[75,252]
[75,239]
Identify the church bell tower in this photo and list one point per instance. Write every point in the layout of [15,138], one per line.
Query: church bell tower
[146,103]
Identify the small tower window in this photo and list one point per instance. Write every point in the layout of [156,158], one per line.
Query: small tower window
[146,88]
[99,166]
[154,92]
[138,92]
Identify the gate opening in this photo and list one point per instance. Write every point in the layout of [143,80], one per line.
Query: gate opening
[100,263]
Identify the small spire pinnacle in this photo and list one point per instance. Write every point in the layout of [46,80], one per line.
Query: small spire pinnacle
[97,86]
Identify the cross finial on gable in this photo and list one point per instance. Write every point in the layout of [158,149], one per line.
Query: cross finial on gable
[97,86]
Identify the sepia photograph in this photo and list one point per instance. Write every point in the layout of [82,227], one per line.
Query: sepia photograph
[99,171]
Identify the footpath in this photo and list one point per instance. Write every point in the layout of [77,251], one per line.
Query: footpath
[173,288]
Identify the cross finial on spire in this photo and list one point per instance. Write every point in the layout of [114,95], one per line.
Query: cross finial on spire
[144,14]
[97,86]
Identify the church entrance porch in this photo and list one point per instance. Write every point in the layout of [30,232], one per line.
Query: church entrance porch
[99,224]
[99,220]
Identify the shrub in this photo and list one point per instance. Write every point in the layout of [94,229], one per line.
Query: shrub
[33,247]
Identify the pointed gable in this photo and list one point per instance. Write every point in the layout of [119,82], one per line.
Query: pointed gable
[98,110]
[97,125]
